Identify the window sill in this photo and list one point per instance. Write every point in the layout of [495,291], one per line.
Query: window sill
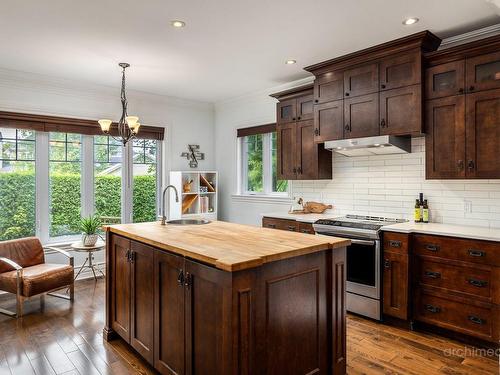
[262,198]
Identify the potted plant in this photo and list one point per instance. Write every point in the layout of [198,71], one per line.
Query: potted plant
[90,226]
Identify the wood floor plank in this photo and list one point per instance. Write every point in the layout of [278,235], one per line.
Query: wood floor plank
[42,366]
[82,363]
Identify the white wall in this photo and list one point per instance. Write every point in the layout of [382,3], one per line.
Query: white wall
[186,121]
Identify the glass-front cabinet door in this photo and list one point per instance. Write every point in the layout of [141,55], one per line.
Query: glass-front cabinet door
[483,72]
[445,80]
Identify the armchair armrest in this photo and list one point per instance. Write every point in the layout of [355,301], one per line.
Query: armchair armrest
[60,251]
[11,263]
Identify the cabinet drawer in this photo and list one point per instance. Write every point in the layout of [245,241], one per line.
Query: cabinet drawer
[306,228]
[282,224]
[473,320]
[475,251]
[474,281]
[396,242]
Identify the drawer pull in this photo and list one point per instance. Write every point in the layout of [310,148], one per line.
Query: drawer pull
[433,275]
[476,320]
[271,226]
[305,231]
[394,243]
[431,247]
[387,264]
[477,253]
[180,278]
[433,309]
[478,283]
[291,228]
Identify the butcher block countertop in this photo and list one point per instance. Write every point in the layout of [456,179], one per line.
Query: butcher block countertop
[227,246]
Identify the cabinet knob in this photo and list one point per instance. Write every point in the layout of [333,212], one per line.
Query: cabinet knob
[382,123]
[470,165]
[298,118]
[316,131]
[293,118]
[346,127]
[382,86]
[460,165]
[471,88]
[346,94]
[316,101]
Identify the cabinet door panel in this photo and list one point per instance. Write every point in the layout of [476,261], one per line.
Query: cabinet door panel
[361,116]
[401,111]
[483,72]
[445,80]
[286,111]
[120,287]
[141,333]
[361,80]
[483,134]
[307,151]
[400,70]
[305,107]
[328,87]
[169,314]
[329,121]
[286,142]
[395,293]
[208,311]
[445,138]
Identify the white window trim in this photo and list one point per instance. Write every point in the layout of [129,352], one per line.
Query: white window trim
[267,195]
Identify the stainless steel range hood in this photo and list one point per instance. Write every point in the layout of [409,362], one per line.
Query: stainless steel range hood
[381,145]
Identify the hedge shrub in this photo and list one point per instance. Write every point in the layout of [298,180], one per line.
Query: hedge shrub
[17,202]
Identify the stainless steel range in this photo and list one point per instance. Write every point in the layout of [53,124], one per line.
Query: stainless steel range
[363,259]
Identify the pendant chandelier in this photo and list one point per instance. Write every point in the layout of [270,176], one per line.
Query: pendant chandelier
[128,126]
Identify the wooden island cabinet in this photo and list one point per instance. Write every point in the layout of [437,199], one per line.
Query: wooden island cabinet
[224,298]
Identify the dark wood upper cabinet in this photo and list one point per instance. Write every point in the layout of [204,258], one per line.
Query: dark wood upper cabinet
[361,80]
[401,111]
[328,86]
[445,80]
[483,134]
[305,107]
[483,72]
[286,145]
[401,70]
[445,139]
[361,116]
[307,154]
[120,287]
[287,111]
[329,121]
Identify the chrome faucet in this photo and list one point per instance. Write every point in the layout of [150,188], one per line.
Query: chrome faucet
[164,201]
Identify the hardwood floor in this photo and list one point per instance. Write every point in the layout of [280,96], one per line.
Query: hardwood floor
[68,340]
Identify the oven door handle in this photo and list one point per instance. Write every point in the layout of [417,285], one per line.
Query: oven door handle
[362,242]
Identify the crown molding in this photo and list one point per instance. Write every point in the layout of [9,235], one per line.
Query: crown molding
[471,36]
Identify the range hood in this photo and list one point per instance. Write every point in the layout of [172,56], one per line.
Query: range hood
[381,145]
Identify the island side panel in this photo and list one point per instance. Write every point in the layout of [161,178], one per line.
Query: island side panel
[282,316]
[338,310]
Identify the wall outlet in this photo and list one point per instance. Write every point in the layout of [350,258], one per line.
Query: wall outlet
[468,206]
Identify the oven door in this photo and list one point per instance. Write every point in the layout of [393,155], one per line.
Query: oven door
[363,268]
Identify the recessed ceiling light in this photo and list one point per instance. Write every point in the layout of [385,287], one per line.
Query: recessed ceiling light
[410,21]
[290,62]
[177,23]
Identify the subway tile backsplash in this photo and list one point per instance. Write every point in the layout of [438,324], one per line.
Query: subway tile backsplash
[387,185]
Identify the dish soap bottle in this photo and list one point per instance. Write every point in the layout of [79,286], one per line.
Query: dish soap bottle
[416,214]
[425,212]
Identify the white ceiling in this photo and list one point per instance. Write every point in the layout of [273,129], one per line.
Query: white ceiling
[228,48]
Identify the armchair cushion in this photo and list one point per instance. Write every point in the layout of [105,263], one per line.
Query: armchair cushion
[38,279]
[25,251]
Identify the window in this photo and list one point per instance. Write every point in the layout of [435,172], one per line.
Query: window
[145,194]
[17,183]
[259,165]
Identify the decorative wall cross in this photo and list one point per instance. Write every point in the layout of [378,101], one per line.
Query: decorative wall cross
[193,155]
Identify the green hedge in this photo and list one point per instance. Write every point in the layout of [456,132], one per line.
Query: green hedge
[17,202]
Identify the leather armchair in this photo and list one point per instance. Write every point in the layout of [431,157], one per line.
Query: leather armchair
[23,272]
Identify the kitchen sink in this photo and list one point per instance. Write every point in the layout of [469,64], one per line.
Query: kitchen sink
[188,222]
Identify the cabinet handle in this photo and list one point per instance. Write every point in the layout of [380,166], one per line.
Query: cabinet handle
[299,170]
[293,118]
[346,94]
[180,278]
[382,86]
[382,123]
[461,90]
[271,226]
[294,170]
[316,101]
[470,165]
[316,131]
[394,243]
[432,275]
[478,283]
[430,247]
[291,228]
[387,264]
[460,165]
[132,256]
[305,231]
[477,253]
[433,309]
[476,320]
[127,256]
[471,88]
[188,280]
[298,118]
[346,127]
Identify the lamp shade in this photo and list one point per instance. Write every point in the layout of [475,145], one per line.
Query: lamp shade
[105,125]
[131,121]
[136,127]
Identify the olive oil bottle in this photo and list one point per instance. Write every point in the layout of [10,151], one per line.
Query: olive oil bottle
[417,213]
[425,212]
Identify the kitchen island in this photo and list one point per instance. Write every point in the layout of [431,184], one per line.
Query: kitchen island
[225,298]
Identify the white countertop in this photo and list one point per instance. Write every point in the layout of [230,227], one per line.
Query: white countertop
[304,218]
[478,233]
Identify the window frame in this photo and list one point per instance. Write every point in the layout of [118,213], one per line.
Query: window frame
[267,172]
